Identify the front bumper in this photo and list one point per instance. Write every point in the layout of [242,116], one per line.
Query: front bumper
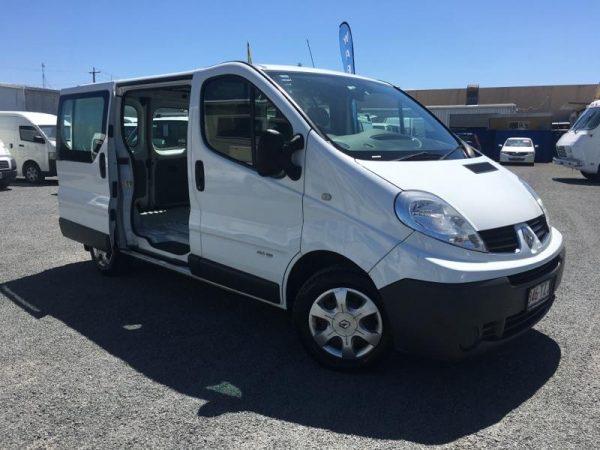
[517,158]
[451,321]
[7,176]
[568,162]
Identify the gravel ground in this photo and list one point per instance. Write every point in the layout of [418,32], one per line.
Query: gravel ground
[155,359]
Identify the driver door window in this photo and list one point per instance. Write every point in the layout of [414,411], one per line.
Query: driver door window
[235,115]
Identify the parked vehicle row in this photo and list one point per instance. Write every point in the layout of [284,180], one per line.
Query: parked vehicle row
[30,138]
[334,196]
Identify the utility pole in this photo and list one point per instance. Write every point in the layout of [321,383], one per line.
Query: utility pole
[93,74]
[43,75]
[310,51]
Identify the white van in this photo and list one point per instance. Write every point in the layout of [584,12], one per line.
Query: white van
[579,148]
[31,139]
[274,189]
[8,167]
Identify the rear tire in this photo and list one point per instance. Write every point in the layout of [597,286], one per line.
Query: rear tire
[340,320]
[3,185]
[592,176]
[32,173]
[109,262]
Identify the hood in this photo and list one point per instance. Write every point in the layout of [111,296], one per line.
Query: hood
[487,199]
[518,149]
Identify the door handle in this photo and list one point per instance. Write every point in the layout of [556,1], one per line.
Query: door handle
[11,146]
[102,165]
[21,145]
[199,175]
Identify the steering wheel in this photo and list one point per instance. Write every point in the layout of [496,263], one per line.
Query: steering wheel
[398,136]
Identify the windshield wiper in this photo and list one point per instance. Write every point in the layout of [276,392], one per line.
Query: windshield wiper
[460,147]
[419,156]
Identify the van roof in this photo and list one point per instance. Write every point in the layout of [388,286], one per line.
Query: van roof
[594,104]
[190,73]
[34,117]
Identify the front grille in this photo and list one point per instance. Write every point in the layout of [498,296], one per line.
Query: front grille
[539,225]
[4,165]
[534,274]
[514,324]
[500,240]
[515,154]
[561,151]
[505,240]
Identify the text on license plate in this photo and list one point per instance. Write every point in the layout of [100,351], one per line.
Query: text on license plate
[539,294]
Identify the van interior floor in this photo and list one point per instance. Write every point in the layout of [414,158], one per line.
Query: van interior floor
[166,229]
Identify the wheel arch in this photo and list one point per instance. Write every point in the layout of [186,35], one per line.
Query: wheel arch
[309,264]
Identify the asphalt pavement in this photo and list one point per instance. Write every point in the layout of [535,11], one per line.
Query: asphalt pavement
[154,359]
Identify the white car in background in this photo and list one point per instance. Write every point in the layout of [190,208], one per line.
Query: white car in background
[518,150]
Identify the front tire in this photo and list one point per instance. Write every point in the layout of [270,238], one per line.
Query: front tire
[108,262]
[340,320]
[32,173]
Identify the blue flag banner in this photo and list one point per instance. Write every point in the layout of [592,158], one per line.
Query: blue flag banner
[347,48]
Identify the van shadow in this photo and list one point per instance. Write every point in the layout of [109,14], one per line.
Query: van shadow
[576,181]
[235,354]
[46,182]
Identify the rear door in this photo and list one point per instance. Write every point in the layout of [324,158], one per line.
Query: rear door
[86,164]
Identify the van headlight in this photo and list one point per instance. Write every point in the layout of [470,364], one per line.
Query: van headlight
[434,217]
[537,199]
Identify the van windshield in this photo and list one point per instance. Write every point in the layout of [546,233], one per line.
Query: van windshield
[589,120]
[49,131]
[369,119]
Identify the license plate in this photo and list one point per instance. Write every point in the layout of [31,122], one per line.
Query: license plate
[517,159]
[539,294]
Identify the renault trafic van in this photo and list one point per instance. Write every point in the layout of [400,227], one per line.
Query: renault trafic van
[275,189]
[579,148]
[31,139]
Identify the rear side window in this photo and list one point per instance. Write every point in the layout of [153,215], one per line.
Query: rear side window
[82,126]
[235,114]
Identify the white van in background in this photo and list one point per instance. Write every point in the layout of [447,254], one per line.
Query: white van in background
[30,137]
[266,181]
[579,148]
[8,167]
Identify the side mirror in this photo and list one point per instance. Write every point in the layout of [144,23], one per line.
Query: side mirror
[274,154]
[500,146]
[536,146]
[39,139]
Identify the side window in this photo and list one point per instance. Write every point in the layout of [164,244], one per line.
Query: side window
[235,114]
[169,130]
[30,134]
[82,122]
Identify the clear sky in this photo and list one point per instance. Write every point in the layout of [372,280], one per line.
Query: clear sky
[415,44]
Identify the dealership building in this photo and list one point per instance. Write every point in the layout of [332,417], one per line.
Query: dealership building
[542,113]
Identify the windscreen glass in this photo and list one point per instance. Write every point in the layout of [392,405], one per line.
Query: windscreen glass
[49,131]
[589,120]
[519,143]
[368,119]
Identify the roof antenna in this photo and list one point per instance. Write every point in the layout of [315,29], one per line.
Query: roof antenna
[310,51]
[249,52]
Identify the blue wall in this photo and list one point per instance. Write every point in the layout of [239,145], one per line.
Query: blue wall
[491,139]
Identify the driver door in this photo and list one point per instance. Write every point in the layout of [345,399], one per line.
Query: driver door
[249,225]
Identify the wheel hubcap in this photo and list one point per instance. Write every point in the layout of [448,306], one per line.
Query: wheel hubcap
[31,173]
[345,323]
